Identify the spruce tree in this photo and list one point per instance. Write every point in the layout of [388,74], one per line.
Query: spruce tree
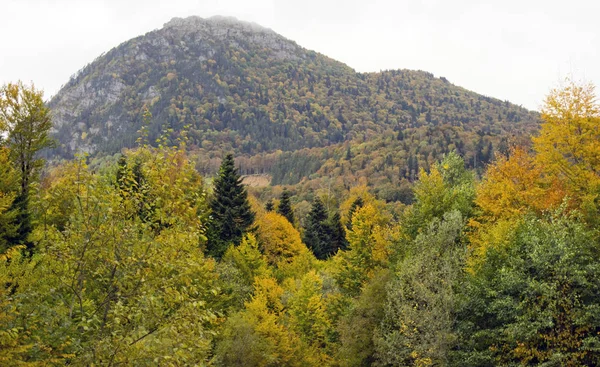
[338,235]
[356,204]
[269,206]
[285,207]
[230,210]
[317,234]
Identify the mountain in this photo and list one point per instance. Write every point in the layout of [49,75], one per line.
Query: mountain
[237,86]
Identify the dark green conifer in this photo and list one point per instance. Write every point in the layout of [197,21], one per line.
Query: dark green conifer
[269,206]
[230,209]
[338,235]
[356,204]
[317,234]
[285,207]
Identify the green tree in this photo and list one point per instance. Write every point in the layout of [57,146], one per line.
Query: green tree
[371,241]
[417,327]
[448,186]
[317,234]
[9,181]
[356,204]
[230,209]
[534,300]
[358,326]
[105,287]
[338,235]
[285,207]
[133,185]
[26,119]
[308,313]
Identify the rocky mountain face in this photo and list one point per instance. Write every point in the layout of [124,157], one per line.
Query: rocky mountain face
[237,86]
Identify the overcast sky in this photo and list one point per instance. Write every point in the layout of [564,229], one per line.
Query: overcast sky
[510,49]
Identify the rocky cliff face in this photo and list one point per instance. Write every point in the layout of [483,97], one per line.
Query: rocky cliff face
[234,85]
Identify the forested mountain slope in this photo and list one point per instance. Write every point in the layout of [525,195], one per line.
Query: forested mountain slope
[236,86]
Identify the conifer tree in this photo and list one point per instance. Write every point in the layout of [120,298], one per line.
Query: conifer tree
[356,204]
[285,207]
[317,234]
[269,206]
[230,209]
[338,235]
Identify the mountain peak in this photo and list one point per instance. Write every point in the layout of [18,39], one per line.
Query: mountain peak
[193,23]
[239,86]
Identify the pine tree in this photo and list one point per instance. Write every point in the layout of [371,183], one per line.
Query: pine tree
[317,236]
[285,207]
[230,209]
[269,206]
[338,235]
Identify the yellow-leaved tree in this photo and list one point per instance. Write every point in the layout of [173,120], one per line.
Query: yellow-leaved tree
[515,185]
[258,336]
[371,239]
[281,244]
[569,141]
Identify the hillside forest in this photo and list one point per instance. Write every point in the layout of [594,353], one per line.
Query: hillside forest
[140,260]
[293,115]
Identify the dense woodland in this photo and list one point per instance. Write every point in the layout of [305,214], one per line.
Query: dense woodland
[142,261]
[236,88]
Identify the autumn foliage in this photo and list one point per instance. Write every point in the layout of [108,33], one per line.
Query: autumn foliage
[136,262]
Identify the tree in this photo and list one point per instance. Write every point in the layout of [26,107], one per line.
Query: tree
[448,186]
[285,207]
[356,204]
[357,327]
[534,299]
[515,185]
[279,241]
[106,287]
[568,141]
[370,244]
[317,234]
[417,327]
[258,335]
[133,185]
[26,119]
[338,235]
[230,209]
[269,206]
[8,190]
[308,312]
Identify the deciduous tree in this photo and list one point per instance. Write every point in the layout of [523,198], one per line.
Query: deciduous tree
[26,119]
[568,141]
